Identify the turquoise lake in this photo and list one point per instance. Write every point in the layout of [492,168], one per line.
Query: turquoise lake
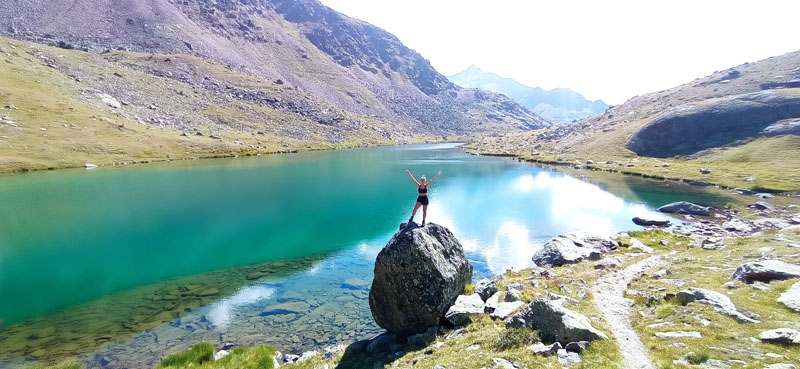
[118,266]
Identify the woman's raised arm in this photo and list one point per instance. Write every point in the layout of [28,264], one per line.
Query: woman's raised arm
[434,178]
[412,177]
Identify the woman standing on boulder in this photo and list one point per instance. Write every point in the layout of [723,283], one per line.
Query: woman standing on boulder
[422,199]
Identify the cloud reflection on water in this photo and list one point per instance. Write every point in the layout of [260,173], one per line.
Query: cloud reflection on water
[222,311]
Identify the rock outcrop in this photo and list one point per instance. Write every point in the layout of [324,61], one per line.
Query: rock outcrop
[555,323]
[572,248]
[766,271]
[685,207]
[418,276]
[781,336]
[690,128]
[721,303]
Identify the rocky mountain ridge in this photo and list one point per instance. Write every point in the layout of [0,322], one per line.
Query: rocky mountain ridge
[559,105]
[348,64]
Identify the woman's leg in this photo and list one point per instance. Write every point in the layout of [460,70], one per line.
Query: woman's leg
[424,213]
[416,206]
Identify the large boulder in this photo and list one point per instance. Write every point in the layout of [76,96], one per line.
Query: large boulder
[685,207]
[766,271]
[791,298]
[721,303]
[418,276]
[572,248]
[555,322]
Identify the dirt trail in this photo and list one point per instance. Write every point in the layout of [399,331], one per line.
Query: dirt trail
[609,298]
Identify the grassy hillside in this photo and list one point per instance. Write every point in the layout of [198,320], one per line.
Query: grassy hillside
[770,158]
[54,117]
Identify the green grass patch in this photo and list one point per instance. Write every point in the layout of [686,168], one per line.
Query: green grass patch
[469,289]
[664,311]
[697,358]
[515,337]
[198,354]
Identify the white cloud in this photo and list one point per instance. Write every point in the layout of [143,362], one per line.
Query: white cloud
[609,50]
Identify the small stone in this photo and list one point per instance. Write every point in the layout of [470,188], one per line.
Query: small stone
[791,298]
[637,245]
[578,347]
[545,350]
[463,308]
[749,179]
[705,171]
[498,363]
[90,166]
[677,344]
[780,366]
[567,358]
[220,354]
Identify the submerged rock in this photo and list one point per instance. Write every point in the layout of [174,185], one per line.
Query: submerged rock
[766,271]
[647,222]
[555,322]
[418,276]
[791,298]
[721,303]
[572,248]
[684,207]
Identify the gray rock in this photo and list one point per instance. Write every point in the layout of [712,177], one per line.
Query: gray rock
[705,171]
[498,363]
[504,309]
[572,248]
[699,183]
[515,286]
[486,287]
[463,308]
[456,333]
[780,336]
[494,300]
[512,295]
[608,262]
[545,350]
[418,276]
[743,191]
[637,245]
[764,196]
[736,225]
[555,322]
[791,298]
[438,367]
[760,206]
[578,347]
[647,222]
[749,179]
[110,101]
[780,366]
[424,338]
[678,334]
[765,271]
[220,354]
[684,207]
[564,299]
[567,358]
[721,303]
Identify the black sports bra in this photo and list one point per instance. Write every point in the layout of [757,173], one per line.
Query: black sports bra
[423,190]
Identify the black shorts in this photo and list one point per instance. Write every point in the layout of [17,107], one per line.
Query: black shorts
[422,200]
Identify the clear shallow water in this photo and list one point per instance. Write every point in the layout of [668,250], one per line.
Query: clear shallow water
[120,265]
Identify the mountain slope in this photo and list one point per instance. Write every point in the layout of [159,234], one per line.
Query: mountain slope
[740,122]
[558,105]
[274,74]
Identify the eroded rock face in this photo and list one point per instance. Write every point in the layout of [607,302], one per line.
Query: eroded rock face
[555,322]
[572,248]
[766,271]
[418,276]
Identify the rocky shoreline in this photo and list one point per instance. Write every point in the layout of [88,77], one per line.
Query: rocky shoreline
[578,305]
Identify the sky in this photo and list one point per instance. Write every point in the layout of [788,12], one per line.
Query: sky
[609,50]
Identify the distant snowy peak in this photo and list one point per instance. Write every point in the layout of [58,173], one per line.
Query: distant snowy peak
[558,105]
